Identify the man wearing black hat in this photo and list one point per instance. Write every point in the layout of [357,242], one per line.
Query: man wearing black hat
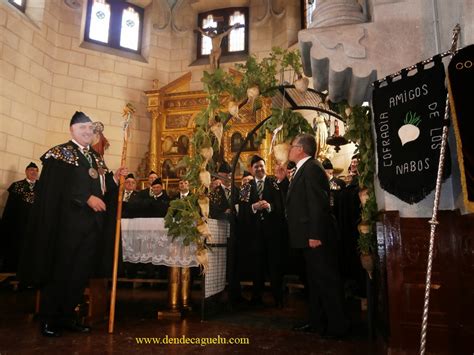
[21,195]
[130,203]
[152,176]
[268,238]
[66,222]
[223,198]
[157,202]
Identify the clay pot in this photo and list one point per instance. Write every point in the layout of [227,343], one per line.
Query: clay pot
[281,152]
[367,261]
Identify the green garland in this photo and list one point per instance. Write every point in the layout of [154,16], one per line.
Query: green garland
[359,131]
[185,216]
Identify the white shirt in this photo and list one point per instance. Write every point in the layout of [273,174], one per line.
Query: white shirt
[80,146]
[181,195]
[156,196]
[269,209]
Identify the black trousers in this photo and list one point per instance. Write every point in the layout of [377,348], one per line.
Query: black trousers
[74,261]
[267,255]
[326,297]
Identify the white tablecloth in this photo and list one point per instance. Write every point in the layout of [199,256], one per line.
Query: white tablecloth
[146,240]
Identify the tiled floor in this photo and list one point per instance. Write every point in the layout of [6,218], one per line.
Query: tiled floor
[268,329]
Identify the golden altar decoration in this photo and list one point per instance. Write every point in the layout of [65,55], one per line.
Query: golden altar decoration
[173,109]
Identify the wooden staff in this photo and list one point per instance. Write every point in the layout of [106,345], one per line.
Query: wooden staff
[127,111]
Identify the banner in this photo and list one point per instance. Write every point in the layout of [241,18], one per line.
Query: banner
[461,79]
[408,117]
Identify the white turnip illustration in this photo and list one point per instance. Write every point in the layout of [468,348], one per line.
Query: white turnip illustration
[409,131]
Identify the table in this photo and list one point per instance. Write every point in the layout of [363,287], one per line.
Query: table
[146,240]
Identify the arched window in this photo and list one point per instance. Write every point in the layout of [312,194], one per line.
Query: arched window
[19,4]
[307,8]
[220,20]
[116,24]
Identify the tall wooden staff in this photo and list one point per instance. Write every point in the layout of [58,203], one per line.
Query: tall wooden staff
[127,112]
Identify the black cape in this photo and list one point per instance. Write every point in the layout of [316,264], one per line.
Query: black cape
[58,195]
[14,220]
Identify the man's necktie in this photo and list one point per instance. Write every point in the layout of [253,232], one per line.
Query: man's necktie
[126,196]
[227,193]
[260,189]
[31,185]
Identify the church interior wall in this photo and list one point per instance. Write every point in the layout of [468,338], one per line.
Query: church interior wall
[47,74]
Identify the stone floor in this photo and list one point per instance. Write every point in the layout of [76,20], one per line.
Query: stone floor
[268,329]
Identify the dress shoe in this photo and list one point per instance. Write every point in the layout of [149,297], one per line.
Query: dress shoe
[306,328]
[76,327]
[49,330]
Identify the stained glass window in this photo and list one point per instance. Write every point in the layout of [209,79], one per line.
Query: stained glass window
[19,4]
[221,20]
[206,44]
[130,29]
[100,22]
[115,24]
[237,36]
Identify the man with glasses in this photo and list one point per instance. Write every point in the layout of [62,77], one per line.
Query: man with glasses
[312,228]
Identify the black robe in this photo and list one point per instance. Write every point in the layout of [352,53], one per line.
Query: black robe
[61,219]
[14,220]
[147,206]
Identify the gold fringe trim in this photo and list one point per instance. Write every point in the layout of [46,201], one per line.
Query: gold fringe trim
[468,204]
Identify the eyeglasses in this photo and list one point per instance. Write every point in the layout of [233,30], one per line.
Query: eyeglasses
[296,145]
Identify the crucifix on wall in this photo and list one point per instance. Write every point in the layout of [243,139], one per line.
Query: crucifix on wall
[216,39]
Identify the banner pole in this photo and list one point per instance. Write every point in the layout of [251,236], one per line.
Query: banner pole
[434,221]
[128,110]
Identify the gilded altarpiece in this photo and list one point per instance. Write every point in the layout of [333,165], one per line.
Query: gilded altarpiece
[173,110]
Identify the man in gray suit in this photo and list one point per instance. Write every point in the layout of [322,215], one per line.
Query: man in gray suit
[312,228]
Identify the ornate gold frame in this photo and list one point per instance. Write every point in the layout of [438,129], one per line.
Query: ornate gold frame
[173,109]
